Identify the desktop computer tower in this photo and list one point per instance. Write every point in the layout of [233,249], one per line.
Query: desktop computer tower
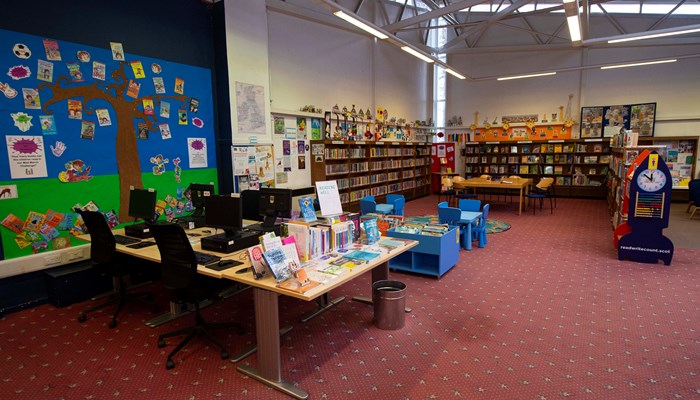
[222,243]
[190,222]
[141,231]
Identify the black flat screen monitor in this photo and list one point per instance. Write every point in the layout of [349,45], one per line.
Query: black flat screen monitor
[142,204]
[223,212]
[197,193]
[274,203]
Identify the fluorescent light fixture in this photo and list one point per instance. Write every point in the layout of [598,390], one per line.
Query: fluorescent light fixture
[572,19]
[638,64]
[653,35]
[506,78]
[574,28]
[360,24]
[423,57]
[455,73]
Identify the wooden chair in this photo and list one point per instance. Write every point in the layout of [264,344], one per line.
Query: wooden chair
[461,191]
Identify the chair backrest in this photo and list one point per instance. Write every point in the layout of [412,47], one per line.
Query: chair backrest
[398,201]
[469,204]
[177,259]
[694,191]
[250,205]
[446,182]
[484,216]
[102,243]
[457,179]
[544,183]
[368,205]
[449,215]
[486,176]
[442,204]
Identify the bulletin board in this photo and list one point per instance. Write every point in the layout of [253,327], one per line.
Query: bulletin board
[291,137]
[83,123]
[253,167]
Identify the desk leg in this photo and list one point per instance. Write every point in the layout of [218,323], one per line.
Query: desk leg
[324,304]
[254,347]
[267,327]
[520,203]
[379,273]
[469,236]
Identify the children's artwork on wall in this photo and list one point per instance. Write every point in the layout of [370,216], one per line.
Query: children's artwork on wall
[99,131]
[642,118]
[591,122]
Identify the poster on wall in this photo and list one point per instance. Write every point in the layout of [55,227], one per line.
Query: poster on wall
[615,119]
[197,151]
[642,118]
[591,122]
[239,155]
[250,108]
[26,157]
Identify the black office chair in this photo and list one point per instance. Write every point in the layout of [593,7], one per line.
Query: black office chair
[250,205]
[179,274]
[104,255]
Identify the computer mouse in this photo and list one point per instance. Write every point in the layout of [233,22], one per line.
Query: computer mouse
[224,263]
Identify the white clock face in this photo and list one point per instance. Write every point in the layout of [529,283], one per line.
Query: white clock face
[651,180]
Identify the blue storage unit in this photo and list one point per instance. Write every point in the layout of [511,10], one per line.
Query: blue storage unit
[434,255]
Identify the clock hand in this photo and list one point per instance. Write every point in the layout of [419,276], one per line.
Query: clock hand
[651,178]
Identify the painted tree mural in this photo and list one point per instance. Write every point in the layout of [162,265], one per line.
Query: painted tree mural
[126,110]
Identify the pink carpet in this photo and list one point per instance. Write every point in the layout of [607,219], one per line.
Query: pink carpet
[544,311]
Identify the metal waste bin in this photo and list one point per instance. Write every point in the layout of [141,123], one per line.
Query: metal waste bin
[389,299]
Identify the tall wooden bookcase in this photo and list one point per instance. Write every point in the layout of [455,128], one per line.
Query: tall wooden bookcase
[364,168]
[579,166]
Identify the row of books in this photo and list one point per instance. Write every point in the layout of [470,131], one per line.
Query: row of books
[423,229]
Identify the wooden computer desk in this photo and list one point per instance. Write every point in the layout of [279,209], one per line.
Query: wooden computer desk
[521,185]
[266,300]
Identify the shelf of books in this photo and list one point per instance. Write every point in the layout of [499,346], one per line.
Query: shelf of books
[369,168]
[436,253]
[681,156]
[579,166]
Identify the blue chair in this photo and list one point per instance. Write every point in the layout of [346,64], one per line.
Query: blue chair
[694,195]
[470,205]
[442,204]
[453,216]
[369,205]
[479,231]
[397,201]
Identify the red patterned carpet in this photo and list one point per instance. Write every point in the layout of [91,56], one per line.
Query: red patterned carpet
[544,311]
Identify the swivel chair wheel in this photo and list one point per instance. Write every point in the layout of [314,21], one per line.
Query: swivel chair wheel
[82,317]
[161,343]
[112,324]
[170,364]
[224,355]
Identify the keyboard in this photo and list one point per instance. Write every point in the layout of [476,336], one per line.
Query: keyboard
[121,239]
[206,258]
[141,245]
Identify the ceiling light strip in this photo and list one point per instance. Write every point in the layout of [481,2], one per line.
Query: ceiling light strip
[507,78]
[365,27]
[638,64]
[653,35]
[416,53]
[455,73]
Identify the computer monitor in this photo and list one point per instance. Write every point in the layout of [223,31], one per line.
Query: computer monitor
[274,203]
[197,193]
[224,212]
[142,204]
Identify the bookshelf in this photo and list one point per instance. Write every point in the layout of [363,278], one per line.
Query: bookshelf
[681,156]
[579,166]
[369,168]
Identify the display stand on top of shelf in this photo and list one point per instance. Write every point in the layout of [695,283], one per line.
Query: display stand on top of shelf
[579,166]
[364,168]
[434,255]
[649,205]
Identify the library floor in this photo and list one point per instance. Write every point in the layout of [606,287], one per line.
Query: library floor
[544,311]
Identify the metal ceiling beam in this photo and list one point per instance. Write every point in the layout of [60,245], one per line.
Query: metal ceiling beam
[662,19]
[454,7]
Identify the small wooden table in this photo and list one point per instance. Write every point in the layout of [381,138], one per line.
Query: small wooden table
[522,185]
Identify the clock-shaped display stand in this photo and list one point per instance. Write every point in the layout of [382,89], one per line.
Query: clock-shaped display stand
[649,205]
